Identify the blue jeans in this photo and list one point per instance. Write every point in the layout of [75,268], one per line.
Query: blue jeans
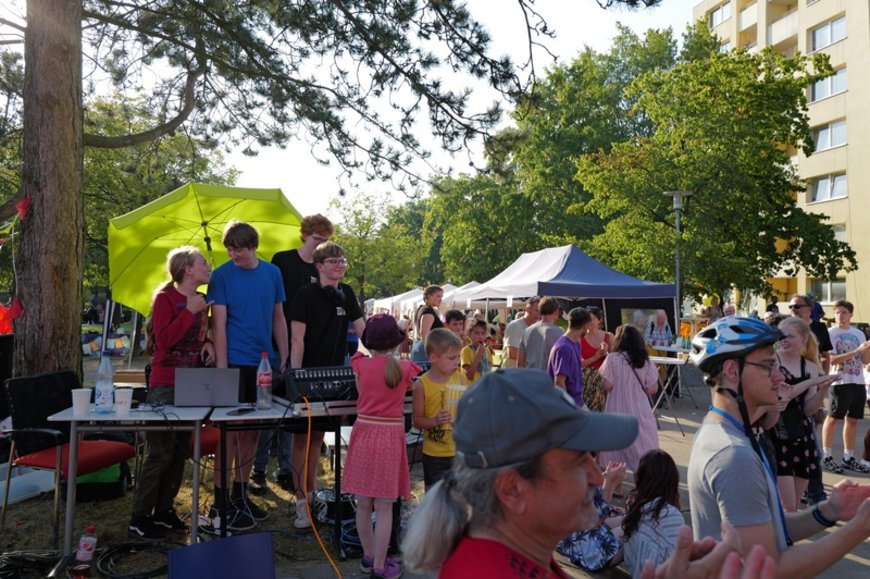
[264,447]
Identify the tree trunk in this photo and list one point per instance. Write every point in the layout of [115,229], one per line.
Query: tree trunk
[50,256]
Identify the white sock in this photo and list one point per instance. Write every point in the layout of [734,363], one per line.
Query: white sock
[847,454]
[826,451]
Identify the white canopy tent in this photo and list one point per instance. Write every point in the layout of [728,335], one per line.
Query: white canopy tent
[391,304]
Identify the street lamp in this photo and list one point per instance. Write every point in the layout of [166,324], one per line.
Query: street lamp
[678,206]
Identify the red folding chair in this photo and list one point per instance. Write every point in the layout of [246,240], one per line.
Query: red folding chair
[38,444]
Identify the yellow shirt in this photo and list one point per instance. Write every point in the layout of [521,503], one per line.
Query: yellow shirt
[466,357]
[438,442]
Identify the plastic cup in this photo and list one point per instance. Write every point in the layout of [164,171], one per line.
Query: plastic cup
[81,401]
[452,395]
[123,400]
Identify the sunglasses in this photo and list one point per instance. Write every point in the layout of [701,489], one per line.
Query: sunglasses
[796,306]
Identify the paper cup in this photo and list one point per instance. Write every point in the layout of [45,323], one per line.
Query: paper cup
[81,401]
[123,400]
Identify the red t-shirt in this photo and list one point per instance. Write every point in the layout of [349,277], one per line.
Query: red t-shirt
[488,559]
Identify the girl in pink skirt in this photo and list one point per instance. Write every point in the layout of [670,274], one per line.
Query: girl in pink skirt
[377,461]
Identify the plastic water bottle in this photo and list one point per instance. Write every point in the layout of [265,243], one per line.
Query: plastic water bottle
[104,395]
[87,545]
[264,383]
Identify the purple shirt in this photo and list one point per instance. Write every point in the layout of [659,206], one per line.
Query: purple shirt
[565,361]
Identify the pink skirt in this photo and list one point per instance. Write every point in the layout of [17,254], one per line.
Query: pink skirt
[377,460]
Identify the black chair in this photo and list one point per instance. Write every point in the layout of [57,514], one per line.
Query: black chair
[39,444]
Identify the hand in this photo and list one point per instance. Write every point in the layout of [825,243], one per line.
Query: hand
[206,354]
[849,499]
[759,565]
[614,474]
[443,417]
[196,303]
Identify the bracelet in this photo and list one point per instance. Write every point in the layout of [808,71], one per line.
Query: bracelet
[822,519]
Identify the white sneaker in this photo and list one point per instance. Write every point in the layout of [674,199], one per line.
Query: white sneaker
[302,520]
[864,463]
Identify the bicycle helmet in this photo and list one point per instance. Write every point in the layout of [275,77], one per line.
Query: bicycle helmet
[728,338]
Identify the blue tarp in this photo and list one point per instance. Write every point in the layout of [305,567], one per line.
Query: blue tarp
[567,272]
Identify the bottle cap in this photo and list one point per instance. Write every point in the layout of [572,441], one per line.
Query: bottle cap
[92,529]
[264,354]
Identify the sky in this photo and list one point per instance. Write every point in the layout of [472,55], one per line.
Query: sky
[577,23]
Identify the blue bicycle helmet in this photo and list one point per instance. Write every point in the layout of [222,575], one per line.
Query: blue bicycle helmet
[728,338]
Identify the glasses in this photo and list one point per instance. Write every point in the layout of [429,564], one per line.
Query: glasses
[336,261]
[319,239]
[796,306]
[769,368]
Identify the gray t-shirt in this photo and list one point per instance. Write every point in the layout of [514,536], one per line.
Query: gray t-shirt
[727,480]
[538,340]
[653,540]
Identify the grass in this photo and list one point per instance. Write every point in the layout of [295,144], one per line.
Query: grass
[28,524]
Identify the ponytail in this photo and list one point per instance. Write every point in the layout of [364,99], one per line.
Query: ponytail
[392,372]
[465,497]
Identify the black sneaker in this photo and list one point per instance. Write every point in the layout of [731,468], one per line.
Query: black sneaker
[285,481]
[830,465]
[257,483]
[852,464]
[170,520]
[248,506]
[144,528]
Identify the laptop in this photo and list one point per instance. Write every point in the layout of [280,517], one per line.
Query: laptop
[206,387]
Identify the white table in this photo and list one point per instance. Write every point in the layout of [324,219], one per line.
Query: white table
[139,419]
[673,377]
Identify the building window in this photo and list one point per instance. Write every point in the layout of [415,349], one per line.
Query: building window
[828,291]
[725,47]
[828,187]
[830,135]
[834,84]
[720,15]
[828,33]
[839,232]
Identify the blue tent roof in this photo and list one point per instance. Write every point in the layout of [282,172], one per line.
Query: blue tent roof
[565,272]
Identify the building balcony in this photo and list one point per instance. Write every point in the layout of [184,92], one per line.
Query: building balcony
[748,17]
[783,29]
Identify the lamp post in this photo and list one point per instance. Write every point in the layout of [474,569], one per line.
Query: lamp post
[678,206]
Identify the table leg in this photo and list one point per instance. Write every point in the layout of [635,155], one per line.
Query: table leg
[338,501]
[194,514]
[71,488]
[223,476]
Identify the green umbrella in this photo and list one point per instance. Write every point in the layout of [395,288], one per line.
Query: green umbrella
[195,214]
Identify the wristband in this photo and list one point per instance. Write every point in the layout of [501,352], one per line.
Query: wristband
[822,519]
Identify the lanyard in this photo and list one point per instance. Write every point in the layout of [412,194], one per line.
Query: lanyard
[767,467]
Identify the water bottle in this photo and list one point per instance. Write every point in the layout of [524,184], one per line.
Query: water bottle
[104,395]
[264,383]
[87,545]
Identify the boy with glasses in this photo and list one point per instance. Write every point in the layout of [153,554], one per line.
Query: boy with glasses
[297,270]
[737,356]
[848,393]
[319,319]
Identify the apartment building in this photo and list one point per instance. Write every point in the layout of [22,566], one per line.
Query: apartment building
[838,172]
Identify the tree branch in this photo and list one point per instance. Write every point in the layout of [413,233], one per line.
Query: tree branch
[8,209]
[188,100]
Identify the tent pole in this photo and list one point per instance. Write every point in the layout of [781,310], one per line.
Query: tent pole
[604,309]
[108,310]
[134,338]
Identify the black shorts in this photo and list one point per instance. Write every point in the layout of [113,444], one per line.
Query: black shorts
[848,400]
[434,468]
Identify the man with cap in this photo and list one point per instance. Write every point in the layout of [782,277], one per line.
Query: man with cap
[523,479]
[730,478]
